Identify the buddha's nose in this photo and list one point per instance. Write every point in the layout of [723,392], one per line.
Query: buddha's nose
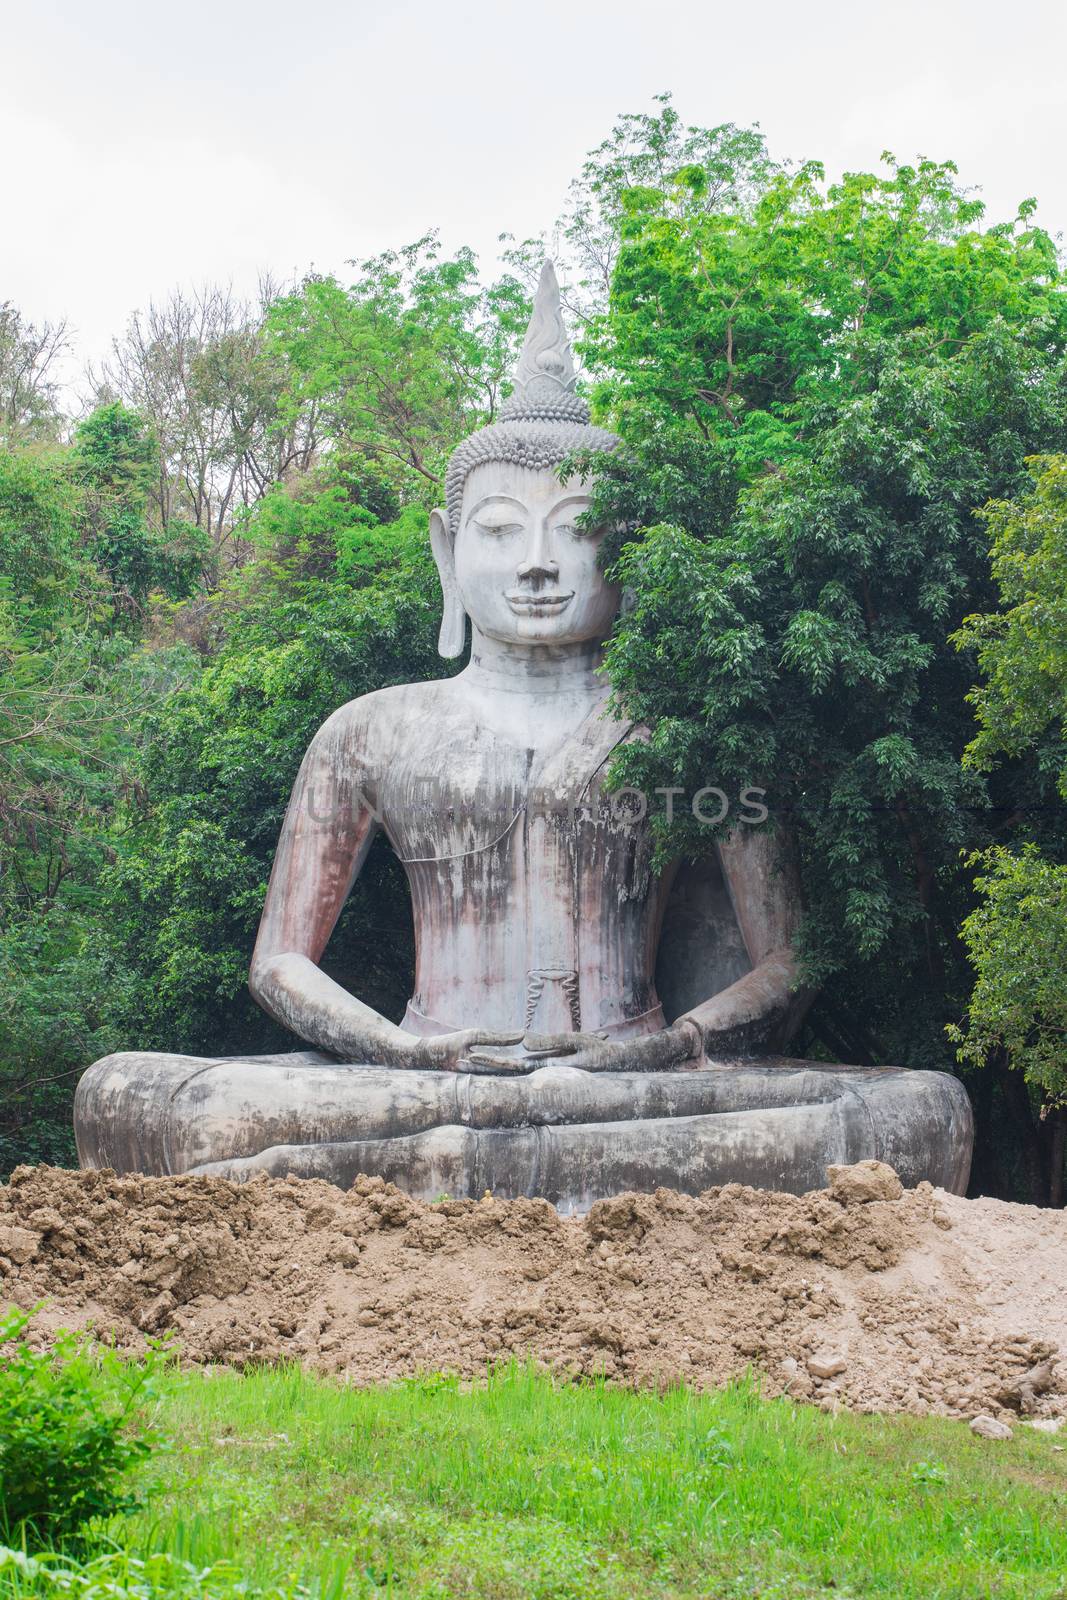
[538,567]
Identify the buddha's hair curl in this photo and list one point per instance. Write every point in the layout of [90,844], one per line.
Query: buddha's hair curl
[539,441]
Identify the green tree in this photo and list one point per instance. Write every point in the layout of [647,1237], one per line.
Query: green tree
[643,152]
[405,362]
[1016,938]
[74,685]
[30,355]
[1022,649]
[39,508]
[48,604]
[72,690]
[817,390]
[116,460]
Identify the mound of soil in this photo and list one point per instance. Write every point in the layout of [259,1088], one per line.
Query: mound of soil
[859,1294]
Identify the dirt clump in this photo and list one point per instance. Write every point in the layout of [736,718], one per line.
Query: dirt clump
[862,1182]
[863,1295]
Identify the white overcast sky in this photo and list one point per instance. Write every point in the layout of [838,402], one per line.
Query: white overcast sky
[152,145]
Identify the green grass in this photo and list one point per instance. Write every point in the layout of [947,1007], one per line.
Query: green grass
[525,1490]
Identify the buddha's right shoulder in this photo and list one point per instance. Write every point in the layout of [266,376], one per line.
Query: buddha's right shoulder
[375,722]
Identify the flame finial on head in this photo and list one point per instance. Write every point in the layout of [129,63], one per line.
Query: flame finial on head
[545,379]
[542,421]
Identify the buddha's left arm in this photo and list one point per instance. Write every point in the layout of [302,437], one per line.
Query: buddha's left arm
[764,1007]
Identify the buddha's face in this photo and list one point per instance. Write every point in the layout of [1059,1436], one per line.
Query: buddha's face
[526,572]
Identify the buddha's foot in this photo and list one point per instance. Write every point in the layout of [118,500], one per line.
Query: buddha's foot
[569,1136]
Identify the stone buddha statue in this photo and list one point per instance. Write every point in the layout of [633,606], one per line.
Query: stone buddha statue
[581,1023]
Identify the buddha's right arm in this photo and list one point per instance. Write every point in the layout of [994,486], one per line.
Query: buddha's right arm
[299,995]
[328,829]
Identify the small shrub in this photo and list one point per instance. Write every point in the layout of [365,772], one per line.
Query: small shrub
[717,1449]
[65,1443]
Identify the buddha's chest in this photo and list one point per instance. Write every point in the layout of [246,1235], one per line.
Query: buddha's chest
[490,827]
[534,899]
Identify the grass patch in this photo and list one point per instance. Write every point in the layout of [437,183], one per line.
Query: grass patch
[278,1482]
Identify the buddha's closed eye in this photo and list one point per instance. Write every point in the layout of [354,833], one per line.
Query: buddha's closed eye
[497,529]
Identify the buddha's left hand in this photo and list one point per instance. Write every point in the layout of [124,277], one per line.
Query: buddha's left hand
[591,1052]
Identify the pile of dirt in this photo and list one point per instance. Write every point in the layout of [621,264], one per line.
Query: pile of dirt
[860,1294]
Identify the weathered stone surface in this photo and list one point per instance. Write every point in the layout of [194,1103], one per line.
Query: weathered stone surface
[989,1428]
[825,1364]
[569,1135]
[536,1056]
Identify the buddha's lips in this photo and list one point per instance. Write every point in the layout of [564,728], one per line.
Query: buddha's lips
[538,604]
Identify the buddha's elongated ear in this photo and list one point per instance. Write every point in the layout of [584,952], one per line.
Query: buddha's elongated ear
[452,638]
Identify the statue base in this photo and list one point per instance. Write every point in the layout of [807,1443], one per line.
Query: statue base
[569,1136]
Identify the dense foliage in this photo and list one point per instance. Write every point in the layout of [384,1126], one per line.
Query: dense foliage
[821,387]
[1016,937]
[78,558]
[819,390]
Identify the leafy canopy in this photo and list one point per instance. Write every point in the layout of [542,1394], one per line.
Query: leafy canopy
[406,361]
[818,390]
[1016,938]
[1022,648]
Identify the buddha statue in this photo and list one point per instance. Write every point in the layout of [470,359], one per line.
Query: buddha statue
[581,1023]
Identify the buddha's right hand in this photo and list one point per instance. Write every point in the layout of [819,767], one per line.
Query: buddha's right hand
[452,1052]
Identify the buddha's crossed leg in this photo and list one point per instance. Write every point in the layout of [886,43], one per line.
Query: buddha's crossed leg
[558,1132]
